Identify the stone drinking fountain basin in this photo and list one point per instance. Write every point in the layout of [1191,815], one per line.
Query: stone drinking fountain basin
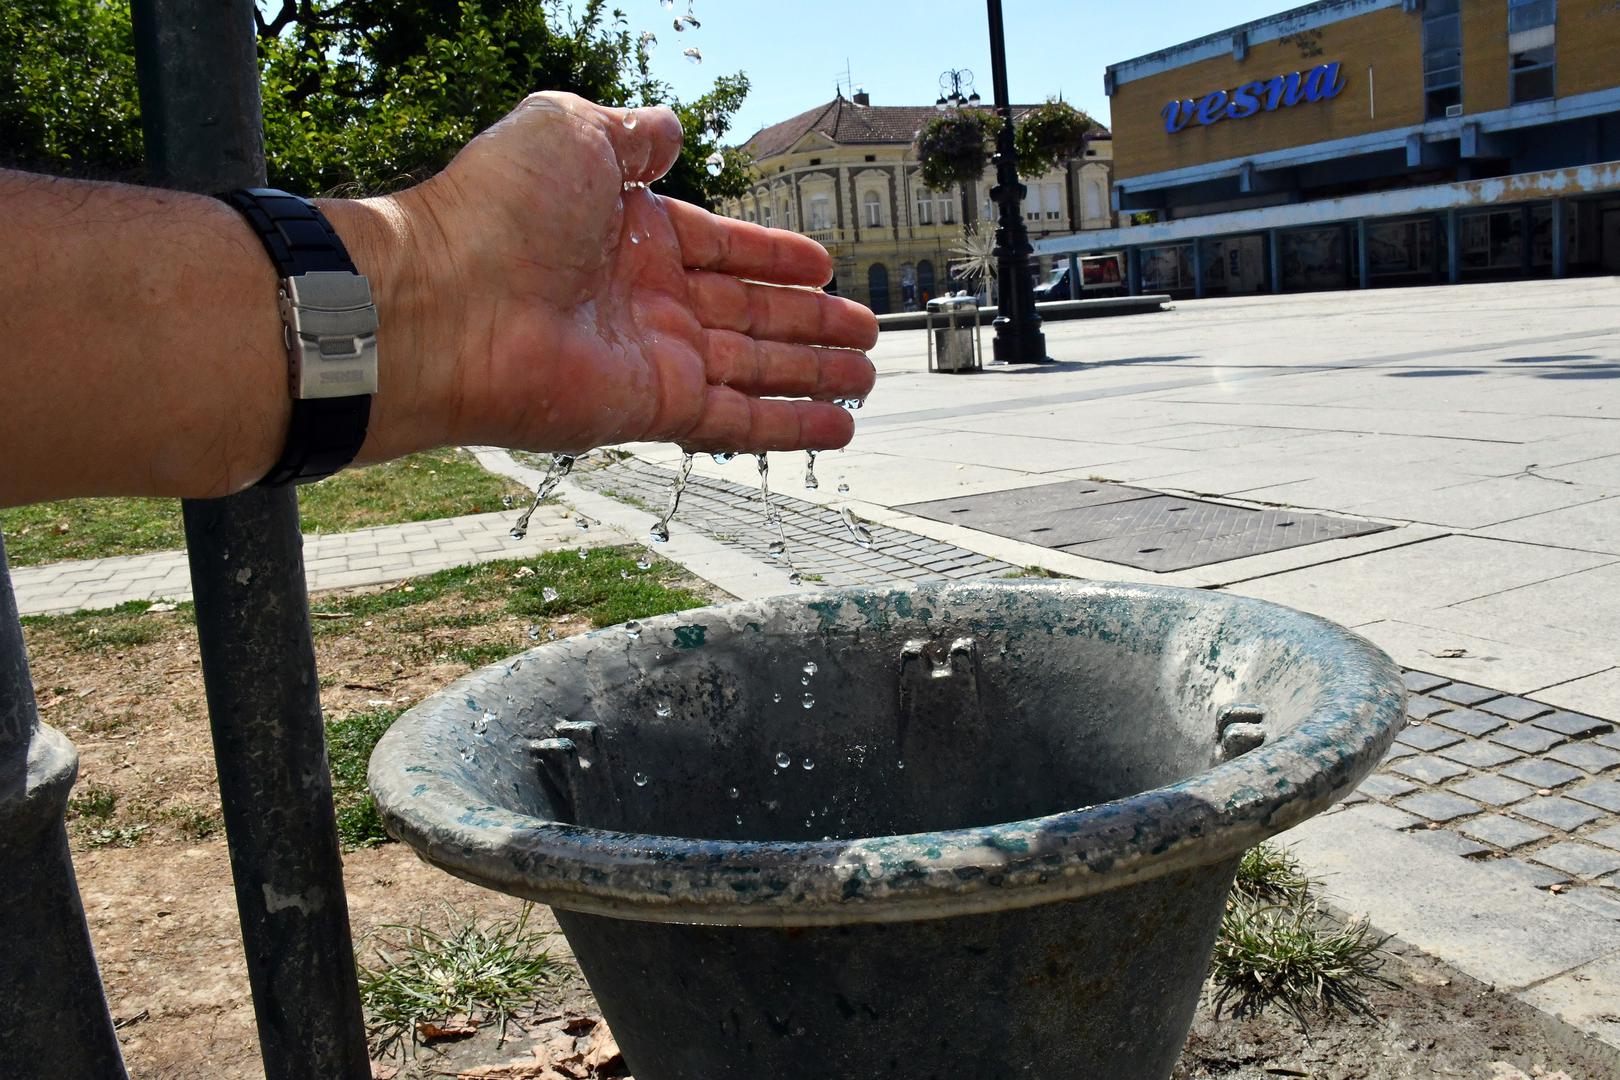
[958,830]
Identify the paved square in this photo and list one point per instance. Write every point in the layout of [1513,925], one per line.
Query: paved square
[1503,832]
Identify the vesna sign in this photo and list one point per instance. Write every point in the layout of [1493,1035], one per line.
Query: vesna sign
[1284,91]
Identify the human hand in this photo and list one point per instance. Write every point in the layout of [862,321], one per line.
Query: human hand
[538,297]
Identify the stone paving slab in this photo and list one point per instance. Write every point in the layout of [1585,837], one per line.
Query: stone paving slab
[331,561]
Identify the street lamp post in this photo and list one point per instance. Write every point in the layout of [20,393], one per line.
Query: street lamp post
[1019,339]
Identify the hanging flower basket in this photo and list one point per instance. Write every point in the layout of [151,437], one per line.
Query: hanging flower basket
[1049,135]
[954,148]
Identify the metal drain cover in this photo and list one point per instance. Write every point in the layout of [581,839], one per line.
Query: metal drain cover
[1135,526]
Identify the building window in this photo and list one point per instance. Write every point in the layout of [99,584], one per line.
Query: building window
[925,280]
[1054,202]
[1531,14]
[1094,200]
[765,216]
[820,213]
[1442,56]
[1533,72]
[872,209]
[925,207]
[877,288]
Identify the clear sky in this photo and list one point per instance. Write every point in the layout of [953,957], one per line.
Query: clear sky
[794,51]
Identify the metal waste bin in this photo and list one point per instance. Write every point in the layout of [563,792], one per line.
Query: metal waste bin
[954,346]
[954,830]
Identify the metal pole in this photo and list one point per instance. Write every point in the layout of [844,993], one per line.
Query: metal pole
[1018,329]
[1560,239]
[1363,256]
[55,1018]
[198,70]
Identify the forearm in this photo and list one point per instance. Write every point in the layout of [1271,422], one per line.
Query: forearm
[143,347]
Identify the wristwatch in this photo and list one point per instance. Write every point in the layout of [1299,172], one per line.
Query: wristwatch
[330,328]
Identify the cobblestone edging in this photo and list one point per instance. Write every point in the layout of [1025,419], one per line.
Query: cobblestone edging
[817,540]
[1493,777]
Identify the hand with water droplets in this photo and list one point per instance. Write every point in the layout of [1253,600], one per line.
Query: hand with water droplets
[548,300]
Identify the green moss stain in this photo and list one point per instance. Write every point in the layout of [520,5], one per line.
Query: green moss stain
[690,637]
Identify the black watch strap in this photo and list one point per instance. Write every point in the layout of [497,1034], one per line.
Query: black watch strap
[326,432]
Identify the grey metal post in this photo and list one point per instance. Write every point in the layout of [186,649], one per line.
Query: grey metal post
[55,1019]
[1363,258]
[1133,270]
[1526,223]
[1076,286]
[1453,247]
[1274,259]
[198,71]
[1198,269]
[1560,239]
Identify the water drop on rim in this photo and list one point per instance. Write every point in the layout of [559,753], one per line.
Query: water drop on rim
[733,793]
[693,55]
[630,119]
[664,711]
[776,696]
[808,764]
[633,628]
[641,779]
[783,760]
[809,701]
[810,667]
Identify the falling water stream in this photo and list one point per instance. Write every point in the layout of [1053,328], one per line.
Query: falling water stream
[559,468]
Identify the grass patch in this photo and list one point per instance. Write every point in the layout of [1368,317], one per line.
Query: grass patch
[127,626]
[349,743]
[483,972]
[1035,572]
[439,483]
[93,803]
[1275,947]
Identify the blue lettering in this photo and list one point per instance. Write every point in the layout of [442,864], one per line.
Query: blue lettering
[1284,90]
[1212,107]
[1245,101]
[1324,82]
[1176,115]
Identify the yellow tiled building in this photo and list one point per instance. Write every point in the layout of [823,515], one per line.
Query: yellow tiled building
[846,174]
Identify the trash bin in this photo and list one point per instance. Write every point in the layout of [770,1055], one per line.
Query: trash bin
[953,334]
[954,830]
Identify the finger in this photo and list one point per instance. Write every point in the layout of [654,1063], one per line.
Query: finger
[775,369]
[773,313]
[732,421]
[743,249]
[646,141]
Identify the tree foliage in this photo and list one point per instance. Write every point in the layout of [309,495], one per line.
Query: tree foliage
[359,95]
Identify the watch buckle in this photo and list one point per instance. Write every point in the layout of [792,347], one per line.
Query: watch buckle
[331,333]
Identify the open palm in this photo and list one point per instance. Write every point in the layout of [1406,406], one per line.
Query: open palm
[587,310]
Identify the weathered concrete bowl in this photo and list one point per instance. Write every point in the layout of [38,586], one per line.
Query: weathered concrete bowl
[997,845]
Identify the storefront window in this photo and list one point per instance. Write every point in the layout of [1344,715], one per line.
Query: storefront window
[1235,265]
[1493,240]
[1541,221]
[1167,268]
[1314,259]
[1395,248]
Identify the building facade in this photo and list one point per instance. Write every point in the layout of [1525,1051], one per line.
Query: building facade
[1369,142]
[846,174]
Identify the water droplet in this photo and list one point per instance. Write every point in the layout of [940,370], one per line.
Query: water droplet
[808,764]
[659,533]
[715,163]
[810,481]
[481,725]
[548,594]
[795,579]
[667,4]
[518,532]
[733,793]
[776,696]
[783,760]
[633,628]
[506,501]
[634,239]
[804,680]
[899,764]
[723,457]
[467,754]
[534,633]
[843,489]
[687,22]
[649,41]
[641,779]
[625,574]
[809,701]
[664,711]
[693,55]
[858,531]
[739,819]
[644,563]
[630,119]
[582,523]
[777,549]
[810,667]
[582,555]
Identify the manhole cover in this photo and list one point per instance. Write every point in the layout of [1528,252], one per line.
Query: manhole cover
[1136,527]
